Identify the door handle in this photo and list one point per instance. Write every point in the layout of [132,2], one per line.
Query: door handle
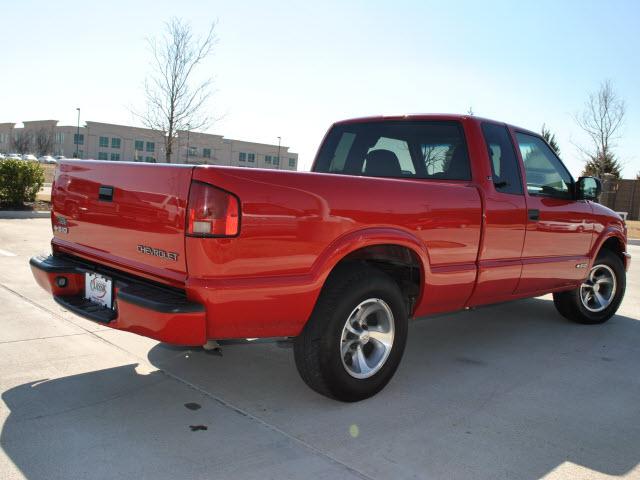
[105,193]
[534,214]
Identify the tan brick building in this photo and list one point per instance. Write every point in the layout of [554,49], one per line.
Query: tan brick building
[106,141]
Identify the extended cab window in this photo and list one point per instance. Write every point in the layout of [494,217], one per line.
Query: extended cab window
[504,163]
[546,175]
[394,149]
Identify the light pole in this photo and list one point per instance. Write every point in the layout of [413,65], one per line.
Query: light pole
[279,152]
[78,133]
[188,132]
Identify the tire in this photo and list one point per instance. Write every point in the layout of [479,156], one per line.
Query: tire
[353,293]
[571,305]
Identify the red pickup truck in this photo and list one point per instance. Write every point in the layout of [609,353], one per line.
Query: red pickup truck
[400,217]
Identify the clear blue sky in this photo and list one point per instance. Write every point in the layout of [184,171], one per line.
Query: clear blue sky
[292,68]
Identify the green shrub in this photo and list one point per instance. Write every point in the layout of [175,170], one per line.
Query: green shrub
[20,181]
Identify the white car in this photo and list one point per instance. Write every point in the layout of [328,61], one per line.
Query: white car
[60,157]
[2,156]
[29,157]
[14,156]
[47,159]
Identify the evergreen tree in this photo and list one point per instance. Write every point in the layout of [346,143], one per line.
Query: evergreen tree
[550,139]
[598,166]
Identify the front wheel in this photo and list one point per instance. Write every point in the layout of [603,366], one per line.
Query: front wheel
[599,296]
[354,340]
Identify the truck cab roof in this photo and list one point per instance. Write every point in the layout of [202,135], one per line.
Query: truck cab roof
[426,117]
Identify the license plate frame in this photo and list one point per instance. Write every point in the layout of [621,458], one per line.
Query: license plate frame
[98,288]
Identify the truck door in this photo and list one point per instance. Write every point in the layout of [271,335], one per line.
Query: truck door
[505,218]
[559,228]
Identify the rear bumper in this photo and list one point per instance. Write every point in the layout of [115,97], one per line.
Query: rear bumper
[140,306]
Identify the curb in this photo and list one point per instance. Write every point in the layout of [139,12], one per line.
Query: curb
[16,214]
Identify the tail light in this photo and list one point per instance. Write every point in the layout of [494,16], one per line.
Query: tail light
[212,212]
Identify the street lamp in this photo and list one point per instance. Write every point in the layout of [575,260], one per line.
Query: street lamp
[78,133]
[279,152]
[188,132]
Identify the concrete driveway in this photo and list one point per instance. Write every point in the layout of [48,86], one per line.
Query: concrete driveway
[511,391]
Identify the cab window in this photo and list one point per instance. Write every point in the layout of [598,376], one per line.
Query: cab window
[502,156]
[546,175]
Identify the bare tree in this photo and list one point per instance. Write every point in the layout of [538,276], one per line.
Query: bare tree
[550,138]
[22,141]
[601,120]
[174,99]
[430,157]
[436,158]
[43,140]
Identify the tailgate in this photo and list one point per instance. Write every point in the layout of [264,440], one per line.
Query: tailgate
[129,214]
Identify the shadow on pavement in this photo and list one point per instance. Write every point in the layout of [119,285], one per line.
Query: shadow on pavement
[117,423]
[509,391]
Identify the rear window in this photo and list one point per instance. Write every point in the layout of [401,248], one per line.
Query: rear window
[426,150]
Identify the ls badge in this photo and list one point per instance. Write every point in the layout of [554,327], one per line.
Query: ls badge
[61,225]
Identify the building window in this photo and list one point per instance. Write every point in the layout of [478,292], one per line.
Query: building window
[59,136]
[139,146]
[115,142]
[150,159]
[276,160]
[242,156]
[78,139]
[192,152]
[267,159]
[206,152]
[80,154]
[115,157]
[103,156]
[292,162]
[139,158]
[104,142]
[151,147]
[251,157]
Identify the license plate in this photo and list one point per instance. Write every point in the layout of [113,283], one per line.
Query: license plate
[98,288]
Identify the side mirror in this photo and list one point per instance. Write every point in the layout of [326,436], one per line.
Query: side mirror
[588,188]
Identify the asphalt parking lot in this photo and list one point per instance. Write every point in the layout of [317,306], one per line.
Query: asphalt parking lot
[510,391]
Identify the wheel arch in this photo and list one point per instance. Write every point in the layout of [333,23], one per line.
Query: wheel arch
[613,240]
[396,252]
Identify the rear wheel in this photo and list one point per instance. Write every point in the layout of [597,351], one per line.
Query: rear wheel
[355,338]
[599,296]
